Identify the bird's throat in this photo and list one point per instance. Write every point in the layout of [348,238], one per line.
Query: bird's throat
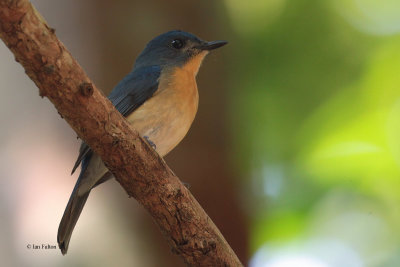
[194,63]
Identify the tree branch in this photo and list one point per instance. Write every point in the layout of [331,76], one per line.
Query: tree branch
[137,167]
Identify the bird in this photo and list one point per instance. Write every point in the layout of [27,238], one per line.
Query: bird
[159,98]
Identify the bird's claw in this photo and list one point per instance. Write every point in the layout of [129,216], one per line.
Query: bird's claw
[150,142]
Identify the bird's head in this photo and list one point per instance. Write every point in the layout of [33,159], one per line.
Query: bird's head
[176,49]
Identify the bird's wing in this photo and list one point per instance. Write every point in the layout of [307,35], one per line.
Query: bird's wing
[135,89]
[130,93]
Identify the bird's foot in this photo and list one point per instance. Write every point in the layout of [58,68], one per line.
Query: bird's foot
[187,185]
[150,142]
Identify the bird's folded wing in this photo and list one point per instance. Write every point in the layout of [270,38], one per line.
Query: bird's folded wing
[130,93]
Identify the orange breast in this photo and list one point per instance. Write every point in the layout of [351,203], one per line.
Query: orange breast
[167,116]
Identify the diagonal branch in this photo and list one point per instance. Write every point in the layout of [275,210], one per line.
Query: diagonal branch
[138,168]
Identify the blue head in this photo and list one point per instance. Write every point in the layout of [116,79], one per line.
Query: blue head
[174,49]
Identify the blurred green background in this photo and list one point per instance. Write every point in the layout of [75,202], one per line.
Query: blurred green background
[294,154]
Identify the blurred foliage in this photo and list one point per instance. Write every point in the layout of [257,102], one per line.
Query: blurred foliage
[316,119]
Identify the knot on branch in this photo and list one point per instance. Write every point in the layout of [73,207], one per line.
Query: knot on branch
[49,69]
[86,89]
[207,246]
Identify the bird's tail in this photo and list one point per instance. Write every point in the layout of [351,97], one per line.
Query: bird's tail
[71,215]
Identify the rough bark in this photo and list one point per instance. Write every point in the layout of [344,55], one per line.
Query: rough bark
[137,167]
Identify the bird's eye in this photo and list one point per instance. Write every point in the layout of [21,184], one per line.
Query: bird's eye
[177,43]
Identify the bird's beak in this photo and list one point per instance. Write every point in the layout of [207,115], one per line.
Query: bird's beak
[211,45]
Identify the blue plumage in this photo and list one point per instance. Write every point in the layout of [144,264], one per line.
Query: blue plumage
[168,119]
